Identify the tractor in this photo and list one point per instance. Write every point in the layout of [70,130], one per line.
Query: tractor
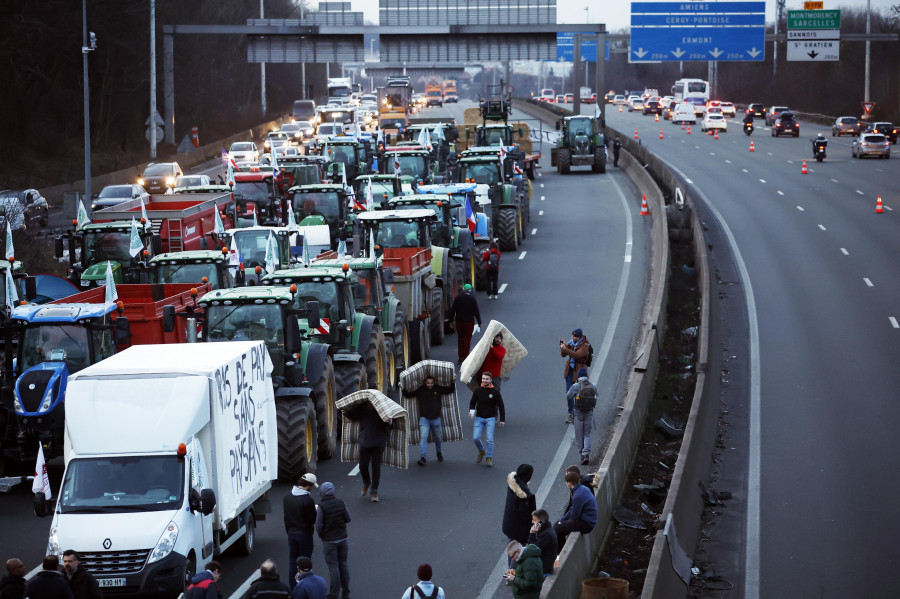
[581,143]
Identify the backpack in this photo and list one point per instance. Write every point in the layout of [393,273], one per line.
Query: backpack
[494,260]
[586,397]
[418,591]
[590,356]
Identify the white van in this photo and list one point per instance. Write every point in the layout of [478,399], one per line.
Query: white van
[684,113]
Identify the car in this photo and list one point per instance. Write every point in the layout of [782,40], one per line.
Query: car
[112,195]
[610,97]
[714,120]
[669,109]
[728,109]
[246,150]
[569,98]
[845,125]
[368,98]
[560,98]
[620,100]
[295,133]
[773,113]
[159,177]
[871,144]
[886,129]
[757,110]
[274,139]
[713,104]
[635,103]
[785,124]
[188,181]
[652,106]
[547,95]
[327,130]
[23,209]
[715,110]
[684,113]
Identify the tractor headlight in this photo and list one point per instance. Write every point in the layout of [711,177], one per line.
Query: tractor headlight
[48,399]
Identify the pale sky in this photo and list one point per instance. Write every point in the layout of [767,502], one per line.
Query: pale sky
[617,14]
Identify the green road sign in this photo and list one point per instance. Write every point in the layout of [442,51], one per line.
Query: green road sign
[814,19]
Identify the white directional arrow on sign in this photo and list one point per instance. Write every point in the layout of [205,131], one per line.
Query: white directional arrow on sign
[753,52]
[715,52]
[640,52]
[678,52]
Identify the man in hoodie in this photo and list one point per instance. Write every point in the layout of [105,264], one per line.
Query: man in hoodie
[464,314]
[493,360]
[583,396]
[82,583]
[12,585]
[483,408]
[542,535]
[267,586]
[372,440]
[581,515]
[520,503]
[424,589]
[576,354]
[205,584]
[428,397]
[300,518]
[49,583]
[331,524]
[491,259]
[309,585]
[527,578]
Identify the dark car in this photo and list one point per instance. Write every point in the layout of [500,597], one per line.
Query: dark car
[845,125]
[786,124]
[757,110]
[886,129]
[23,209]
[773,113]
[113,195]
[159,177]
[652,107]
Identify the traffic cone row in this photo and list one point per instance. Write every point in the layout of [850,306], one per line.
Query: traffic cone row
[645,209]
[620,108]
[803,168]
[879,208]
[682,125]
[751,146]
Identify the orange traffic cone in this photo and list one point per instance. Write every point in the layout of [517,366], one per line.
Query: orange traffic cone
[682,125]
[635,133]
[803,168]
[657,118]
[689,130]
[620,108]
[660,133]
[716,136]
[879,208]
[751,146]
[645,209]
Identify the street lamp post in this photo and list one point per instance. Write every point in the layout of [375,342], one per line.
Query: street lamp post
[85,50]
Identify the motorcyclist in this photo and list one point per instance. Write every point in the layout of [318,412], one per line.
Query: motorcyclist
[748,118]
[819,142]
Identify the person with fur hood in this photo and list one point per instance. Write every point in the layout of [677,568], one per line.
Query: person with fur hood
[520,503]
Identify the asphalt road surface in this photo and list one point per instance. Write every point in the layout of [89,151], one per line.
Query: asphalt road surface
[813,471]
[582,264]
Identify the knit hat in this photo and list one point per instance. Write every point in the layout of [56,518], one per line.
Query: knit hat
[424,572]
[582,372]
[577,332]
[524,472]
[304,564]
[467,287]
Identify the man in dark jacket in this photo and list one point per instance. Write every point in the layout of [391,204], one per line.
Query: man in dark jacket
[12,585]
[617,146]
[464,314]
[576,354]
[372,440]
[267,586]
[520,503]
[581,515]
[331,524]
[82,583]
[543,535]
[205,584]
[428,397]
[491,259]
[485,403]
[300,519]
[526,579]
[49,583]
[309,584]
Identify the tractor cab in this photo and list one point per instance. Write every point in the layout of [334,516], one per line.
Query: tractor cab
[395,229]
[384,187]
[412,163]
[105,244]
[252,244]
[323,204]
[193,266]
[344,151]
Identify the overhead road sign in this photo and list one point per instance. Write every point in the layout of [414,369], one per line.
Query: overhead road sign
[688,31]
[814,35]
[814,50]
[565,47]
[814,19]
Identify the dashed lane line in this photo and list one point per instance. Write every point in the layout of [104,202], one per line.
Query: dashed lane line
[781,193]
[845,252]
[868,282]
[823,227]
[502,288]
[522,255]
[894,322]
[534,231]
[800,208]
[541,213]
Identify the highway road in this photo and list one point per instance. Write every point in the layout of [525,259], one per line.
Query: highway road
[583,264]
[809,373]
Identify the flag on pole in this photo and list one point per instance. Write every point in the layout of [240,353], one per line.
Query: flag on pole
[370,201]
[275,161]
[271,254]
[471,220]
[292,220]
[342,249]
[82,218]
[224,156]
[144,215]
[234,256]
[396,164]
[306,258]
[438,133]
[229,174]
[111,293]
[379,136]
[10,250]
[218,227]
[502,152]
[344,173]
[135,245]
[422,140]
[255,221]
[597,111]
[12,296]
[371,244]
[41,483]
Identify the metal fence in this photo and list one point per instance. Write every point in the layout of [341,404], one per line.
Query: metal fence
[466,12]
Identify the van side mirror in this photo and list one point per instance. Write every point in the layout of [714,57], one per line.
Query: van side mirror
[388,275]
[207,501]
[122,331]
[168,319]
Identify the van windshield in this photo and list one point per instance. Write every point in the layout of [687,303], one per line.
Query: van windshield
[133,483]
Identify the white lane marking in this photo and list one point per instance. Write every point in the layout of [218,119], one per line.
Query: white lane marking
[522,255]
[888,208]
[781,193]
[745,170]
[894,322]
[845,252]
[355,471]
[502,288]
[541,213]
[834,180]
[542,186]
[823,227]
[533,231]
[712,153]
[551,477]
[728,161]
[800,208]
[769,153]
[860,193]
[762,180]
[868,282]
[542,198]
[540,174]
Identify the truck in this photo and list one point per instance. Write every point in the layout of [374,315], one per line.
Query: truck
[394,105]
[448,88]
[65,336]
[339,89]
[170,455]
[433,94]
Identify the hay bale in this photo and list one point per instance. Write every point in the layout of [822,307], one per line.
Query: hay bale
[472,116]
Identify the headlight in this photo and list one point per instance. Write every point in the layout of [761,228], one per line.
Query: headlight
[165,545]
[48,399]
[17,405]
[170,182]
[53,543]
[141,182]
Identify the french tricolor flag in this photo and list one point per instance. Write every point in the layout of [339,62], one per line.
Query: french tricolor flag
[470,215]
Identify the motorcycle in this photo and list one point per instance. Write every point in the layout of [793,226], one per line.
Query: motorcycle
[748,128]
[819,151]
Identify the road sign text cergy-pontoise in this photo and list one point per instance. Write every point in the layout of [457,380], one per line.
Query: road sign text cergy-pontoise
[565,47]
[684,31]
[814,35]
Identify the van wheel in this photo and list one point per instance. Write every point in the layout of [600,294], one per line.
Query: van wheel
[248,541]
[190,568]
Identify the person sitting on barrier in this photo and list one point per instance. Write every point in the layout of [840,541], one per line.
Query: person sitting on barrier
[581,515]
[542,535]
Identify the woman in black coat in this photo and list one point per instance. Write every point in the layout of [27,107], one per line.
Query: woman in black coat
[520,503]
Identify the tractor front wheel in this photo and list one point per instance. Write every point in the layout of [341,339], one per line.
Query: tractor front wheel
[297,438]
[324,397]
[599,165]
[564,160]
[507,229]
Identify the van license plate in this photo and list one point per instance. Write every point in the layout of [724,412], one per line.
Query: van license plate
[111,582]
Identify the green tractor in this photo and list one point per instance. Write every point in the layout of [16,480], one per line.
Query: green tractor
[581,143]
[324,204]
[303,373]
[346,151]
[103,243]
[361,358]
[195,266]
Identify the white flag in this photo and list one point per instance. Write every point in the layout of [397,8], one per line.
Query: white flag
[12,296]
[135,245]
[144,215]
[111,293]
[438,132]
[292,220]
[275,162]
[271,254]
[255,221]
[10,250]
[234,257]
[229,174]
[422,140]
[370,201]
[306,258]
[379,136]
[344,173]
[218,227]
[502,152]
[396,164]
[371,244]
[342,249]
[597,111]
[82,219]
[41,483]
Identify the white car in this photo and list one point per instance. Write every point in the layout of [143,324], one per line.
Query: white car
[294,132]
[328,130]
[635,103]
[715,120]
[244,150]
[619,100]
[684,113]
[728,109]
[187,181]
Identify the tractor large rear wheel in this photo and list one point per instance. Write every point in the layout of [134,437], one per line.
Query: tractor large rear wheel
[419,340]
[564,160]
[349,377]
[437,316]
[480,270]
[400,341]
[507,229]
[324,391]
[374,354]
[599,165]
[297,438]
